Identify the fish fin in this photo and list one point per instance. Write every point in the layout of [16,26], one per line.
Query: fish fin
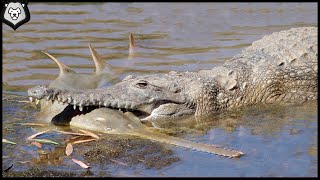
[100,65]
[63,68]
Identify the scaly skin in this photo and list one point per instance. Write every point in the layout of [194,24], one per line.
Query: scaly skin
[279,68]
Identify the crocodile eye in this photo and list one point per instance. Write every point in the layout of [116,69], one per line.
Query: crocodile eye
[141,84]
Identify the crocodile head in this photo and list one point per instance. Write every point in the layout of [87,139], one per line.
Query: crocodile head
[148,97]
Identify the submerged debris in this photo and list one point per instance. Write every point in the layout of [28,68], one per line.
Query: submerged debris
[125,150]
[38,172]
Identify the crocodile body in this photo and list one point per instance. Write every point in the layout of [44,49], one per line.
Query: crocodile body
[279,68]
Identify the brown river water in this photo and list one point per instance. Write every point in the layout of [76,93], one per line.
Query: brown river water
[278,141]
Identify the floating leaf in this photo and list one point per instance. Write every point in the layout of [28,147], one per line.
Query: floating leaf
[80,163]
[89,133]
[24,101]
[69,149]
[45,141]
[39,145]
[7,141]
[33,124]
[37,134]
[24,162]
[118,162]
[82,141]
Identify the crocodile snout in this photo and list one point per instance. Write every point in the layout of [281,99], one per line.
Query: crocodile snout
[38,92]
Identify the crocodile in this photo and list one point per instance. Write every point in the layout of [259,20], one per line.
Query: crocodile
[108,120]
[279,68]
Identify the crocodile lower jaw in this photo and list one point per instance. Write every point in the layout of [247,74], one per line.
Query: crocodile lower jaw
[71,111]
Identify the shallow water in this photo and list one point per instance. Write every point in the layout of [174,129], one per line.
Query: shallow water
[176,36]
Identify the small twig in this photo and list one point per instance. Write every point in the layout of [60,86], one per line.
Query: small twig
[6,170]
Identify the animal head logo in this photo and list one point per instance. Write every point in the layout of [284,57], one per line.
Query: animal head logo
[14,13]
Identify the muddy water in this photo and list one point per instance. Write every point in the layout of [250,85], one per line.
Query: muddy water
[175,36]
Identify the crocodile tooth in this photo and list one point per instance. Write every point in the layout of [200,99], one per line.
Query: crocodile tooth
[69,99]
[93,101]
[64,99]
[132,106]
[106,103]
[74,106]
[31,99]
[56,93]
[81,108]
[114,104]
[37,101]
[128,105]
[151,100]
[121,104]
[100,103]
[48,98]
